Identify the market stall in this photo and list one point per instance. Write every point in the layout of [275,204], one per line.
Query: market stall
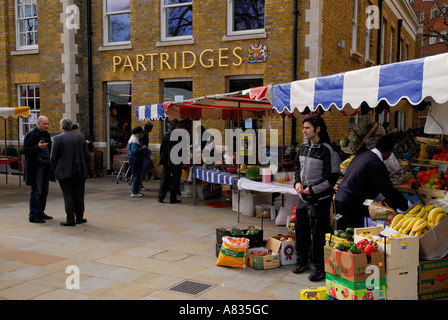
[400,85]
[9,113]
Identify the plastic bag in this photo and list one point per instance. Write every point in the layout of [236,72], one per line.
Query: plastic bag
[234,252]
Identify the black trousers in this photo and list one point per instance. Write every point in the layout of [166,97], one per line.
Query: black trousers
[312,223]
[170,176]
[73,193]
[352,215]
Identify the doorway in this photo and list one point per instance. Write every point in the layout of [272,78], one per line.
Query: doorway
[119,119]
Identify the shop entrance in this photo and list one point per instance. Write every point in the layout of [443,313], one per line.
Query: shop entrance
[119,119]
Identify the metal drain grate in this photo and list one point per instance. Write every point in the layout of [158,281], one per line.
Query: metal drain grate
[192,288]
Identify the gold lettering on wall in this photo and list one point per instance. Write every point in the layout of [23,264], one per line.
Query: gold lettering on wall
[127,63]
[207,58]
[184,59]
[201,60]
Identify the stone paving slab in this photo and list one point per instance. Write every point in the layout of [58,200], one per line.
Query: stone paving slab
[130,249]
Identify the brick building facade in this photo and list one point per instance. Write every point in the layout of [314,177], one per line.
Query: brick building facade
[432,15]
[139,57]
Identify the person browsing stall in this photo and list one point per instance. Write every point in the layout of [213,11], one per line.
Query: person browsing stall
[135,152]
[367,177]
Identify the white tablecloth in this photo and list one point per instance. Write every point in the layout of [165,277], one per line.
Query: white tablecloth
[271,187]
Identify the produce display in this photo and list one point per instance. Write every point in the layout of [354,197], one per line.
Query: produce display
[429,179]
[442,155]
[355,136]
[418,220]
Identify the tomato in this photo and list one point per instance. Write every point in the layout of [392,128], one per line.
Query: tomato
[438,186]
[437,180]
[436,157]
[446,177]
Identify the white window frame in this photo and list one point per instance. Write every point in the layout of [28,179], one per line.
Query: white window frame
[432,40]
[433,13]
[164,21]
[230,19]
[18,21]
[355,25]
[443,32]
[422,16]
[391,44]
[106,25]
[31,121]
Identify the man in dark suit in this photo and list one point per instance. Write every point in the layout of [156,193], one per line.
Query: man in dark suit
[37,171]
[171,173]
[69,159]
[367,178]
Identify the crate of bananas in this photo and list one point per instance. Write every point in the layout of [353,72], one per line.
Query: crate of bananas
[418,220]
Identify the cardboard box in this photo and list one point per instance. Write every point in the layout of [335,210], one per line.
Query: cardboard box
[433,276]
[400,252]
[433,244]
[439,295]
[269,261]
[342,289]
[255,240]
[248,201]
[352,267]
[286,249]
[402,283]
[313,293]
[260,208]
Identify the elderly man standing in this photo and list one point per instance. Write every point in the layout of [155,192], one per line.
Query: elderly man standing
[37,171]
[69,159]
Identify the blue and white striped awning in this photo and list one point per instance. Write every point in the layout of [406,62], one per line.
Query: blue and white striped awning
[413,80]
[215,176]
[150,112]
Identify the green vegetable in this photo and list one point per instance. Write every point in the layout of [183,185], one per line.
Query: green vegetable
[341,246]
[344,235]
[336,233]
[235,232]
[383,217]
[350,230]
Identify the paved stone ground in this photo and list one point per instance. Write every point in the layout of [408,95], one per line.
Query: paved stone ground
[130,249]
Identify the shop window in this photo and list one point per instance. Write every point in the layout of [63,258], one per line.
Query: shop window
[29,96]
[245,16]
[242,83]
[177,19]
[117,22]
[26,24]
[177,90]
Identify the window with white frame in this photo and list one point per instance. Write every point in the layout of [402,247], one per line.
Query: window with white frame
[355,25]
[432,40]
[117,22]
[177,19]
[433,13]
[391,44]
[422,15]
[443,35]
[245,17]
[26,24]
[28,96]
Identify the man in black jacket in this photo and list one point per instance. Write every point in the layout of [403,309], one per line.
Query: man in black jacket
[367,177]
[171,172]
[69,159]
[37,172]
[316,170]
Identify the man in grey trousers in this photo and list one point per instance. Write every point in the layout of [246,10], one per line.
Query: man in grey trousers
[69,159]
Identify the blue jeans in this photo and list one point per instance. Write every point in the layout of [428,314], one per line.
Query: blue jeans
[136,166]
[39,190]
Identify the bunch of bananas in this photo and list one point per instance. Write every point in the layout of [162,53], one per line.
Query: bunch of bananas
[418,220]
